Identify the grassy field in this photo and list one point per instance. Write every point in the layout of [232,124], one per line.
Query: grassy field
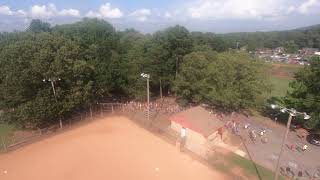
[232,163]
[280,86]
[280,77]
[280,69]
[5,131]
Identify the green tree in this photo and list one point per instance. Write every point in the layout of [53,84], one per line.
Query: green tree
[25,97]
[231,81]
[291,47]
[305,94]
[37,26]
[99,45]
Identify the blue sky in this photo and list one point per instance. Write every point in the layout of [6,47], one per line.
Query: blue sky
[151,15]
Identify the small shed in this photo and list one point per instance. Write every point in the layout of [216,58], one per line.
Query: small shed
[201,127]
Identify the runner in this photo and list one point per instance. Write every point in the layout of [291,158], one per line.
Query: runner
[253,136]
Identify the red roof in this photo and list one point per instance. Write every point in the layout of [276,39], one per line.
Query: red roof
[185,123]
[199,120]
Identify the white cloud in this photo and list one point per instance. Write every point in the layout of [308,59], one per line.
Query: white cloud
[92,14]
[5,10]
[236,9]
[50,10]
[309,6]
[291,9]
[69,12]
[21,12]
[167,15]
[141,14]
[106,11]
[38,11]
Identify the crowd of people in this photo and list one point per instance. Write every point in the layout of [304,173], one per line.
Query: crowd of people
[162,107]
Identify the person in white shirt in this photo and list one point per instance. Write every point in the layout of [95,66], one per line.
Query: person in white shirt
[182,137]
[304,148]
[183,132]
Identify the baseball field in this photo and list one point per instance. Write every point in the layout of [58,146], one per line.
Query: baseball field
[110,148]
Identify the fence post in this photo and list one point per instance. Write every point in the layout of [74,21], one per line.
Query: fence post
[101,106]
[4,144]
[91,112]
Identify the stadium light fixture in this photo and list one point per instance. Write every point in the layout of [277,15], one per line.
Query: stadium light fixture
[148,92]
[292,113]
[306,116]
[274,106]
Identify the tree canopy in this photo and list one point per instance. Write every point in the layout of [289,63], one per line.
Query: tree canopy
[229,81]
[50,72]
[305,94]
[37,26]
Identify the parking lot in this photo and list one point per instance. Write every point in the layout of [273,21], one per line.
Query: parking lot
[267,154]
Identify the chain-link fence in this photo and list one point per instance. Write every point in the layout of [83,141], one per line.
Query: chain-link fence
[12,138]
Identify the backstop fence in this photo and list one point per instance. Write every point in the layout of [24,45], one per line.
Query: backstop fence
[136,111]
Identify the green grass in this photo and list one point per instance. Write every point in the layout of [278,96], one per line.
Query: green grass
[6,131]
[280,86]
[226,163]
[251,169]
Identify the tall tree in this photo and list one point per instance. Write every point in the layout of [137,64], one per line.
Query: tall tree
[305,94]
[37,26]
[231,81]
[31,68]
[99,44]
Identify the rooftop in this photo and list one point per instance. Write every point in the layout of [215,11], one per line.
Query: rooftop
[198,119]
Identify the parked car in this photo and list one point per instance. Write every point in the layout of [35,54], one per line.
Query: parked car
[314,139]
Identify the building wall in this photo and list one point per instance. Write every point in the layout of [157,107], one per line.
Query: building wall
[195,142]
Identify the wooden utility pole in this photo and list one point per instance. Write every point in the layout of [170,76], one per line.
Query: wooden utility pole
[148,94]
[160,89]
[282,147]
[53,80]
[177,64]
[91,115]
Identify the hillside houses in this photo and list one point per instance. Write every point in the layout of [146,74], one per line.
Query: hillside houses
[278,55]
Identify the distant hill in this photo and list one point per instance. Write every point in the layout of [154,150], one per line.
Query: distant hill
[291,39]
[317,26]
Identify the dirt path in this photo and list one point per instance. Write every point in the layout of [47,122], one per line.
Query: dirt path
[110,148]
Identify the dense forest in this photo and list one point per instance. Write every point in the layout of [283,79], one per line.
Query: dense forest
[51,72]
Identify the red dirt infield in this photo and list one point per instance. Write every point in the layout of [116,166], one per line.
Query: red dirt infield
[113,148]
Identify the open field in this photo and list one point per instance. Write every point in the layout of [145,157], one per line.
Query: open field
[110,148]
[280,86]
[284,70]
[280,77]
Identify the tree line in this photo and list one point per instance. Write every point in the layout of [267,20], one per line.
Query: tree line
[51,72]
[291,40]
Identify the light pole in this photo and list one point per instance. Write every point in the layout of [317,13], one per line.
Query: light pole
[147,76]
[292,112]
[52,81]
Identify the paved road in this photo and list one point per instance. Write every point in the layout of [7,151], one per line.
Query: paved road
[267,154]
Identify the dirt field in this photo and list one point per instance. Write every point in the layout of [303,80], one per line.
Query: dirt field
[110,148]
[284,70]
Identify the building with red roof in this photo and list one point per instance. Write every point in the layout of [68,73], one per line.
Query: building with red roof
[201,127]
